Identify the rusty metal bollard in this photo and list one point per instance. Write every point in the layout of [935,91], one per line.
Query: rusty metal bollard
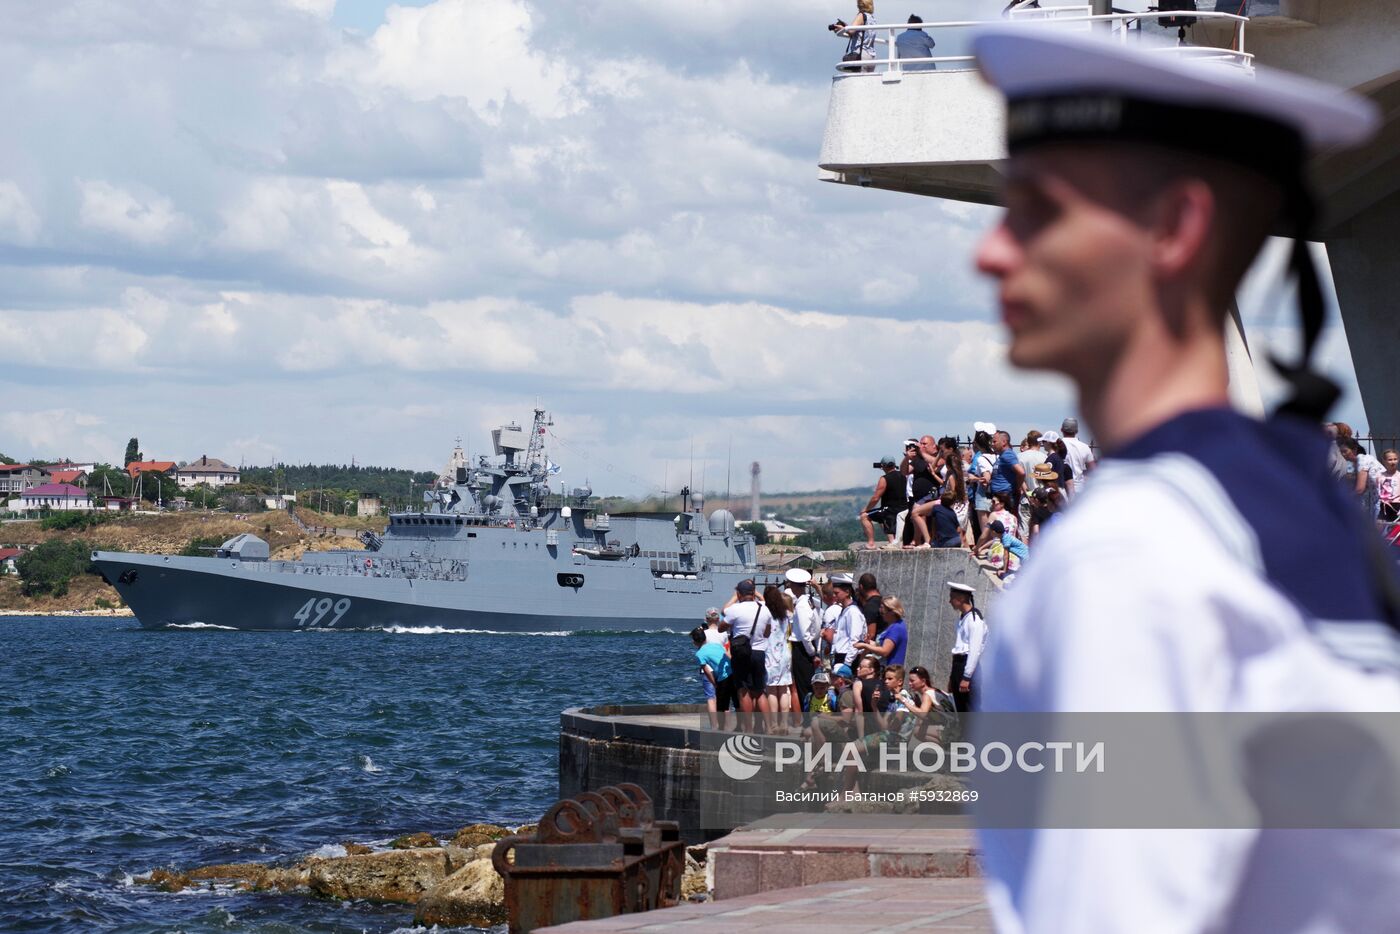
[598,855]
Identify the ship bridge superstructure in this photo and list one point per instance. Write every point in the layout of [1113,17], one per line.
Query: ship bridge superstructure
[931,126]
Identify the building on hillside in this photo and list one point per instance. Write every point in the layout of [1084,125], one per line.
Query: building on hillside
[16,478]
[368,507]
[779,532]
[118,503]
[8,557]
[821,564]
[137,468]
[54,496]
[209,471]
[280,501]
[69,465]
[72,477]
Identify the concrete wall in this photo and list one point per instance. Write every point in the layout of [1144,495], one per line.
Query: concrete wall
[597,750]
[673,755]
[923,118]
[919,579]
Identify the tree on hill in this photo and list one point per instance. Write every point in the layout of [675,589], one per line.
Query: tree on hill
[133,452]
[758,530]
[335,482]
[105,477]
[49,567]
[7,460]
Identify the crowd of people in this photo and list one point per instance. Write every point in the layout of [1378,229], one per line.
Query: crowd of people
[838,651]
[990,495]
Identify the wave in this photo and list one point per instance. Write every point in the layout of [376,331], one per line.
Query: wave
[444,631]
[367,765]
[200,626]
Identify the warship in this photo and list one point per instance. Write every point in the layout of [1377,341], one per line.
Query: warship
[492,549]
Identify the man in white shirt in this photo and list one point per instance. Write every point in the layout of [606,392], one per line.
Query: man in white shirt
[1139,188]
[750,625]
[1031,457]
[1078,455]
[806,631]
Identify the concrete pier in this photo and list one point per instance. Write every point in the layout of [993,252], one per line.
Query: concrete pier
[919,579]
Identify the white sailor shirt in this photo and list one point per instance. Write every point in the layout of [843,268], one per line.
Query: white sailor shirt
[850,629]
[807,621]
[971,639]
[1248,590]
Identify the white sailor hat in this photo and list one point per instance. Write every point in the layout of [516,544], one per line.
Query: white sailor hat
[843,580]
[962,588]
[989,427]
[1065,87]
[798,576]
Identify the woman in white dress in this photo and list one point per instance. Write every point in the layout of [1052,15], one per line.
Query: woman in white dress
[778,659]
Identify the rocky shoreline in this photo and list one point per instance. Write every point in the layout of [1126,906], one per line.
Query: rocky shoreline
[451,883]
[121,611]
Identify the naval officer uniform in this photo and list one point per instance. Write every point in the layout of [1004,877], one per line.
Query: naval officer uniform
[969,642]
[1212,566]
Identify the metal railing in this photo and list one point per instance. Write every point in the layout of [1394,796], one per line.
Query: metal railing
[1126,28]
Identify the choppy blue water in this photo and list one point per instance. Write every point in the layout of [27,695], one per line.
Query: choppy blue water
[126,750]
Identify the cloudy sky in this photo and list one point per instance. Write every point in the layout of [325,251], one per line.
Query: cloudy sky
[318,230]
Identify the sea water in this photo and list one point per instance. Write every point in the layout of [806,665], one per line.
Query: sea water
[123,750]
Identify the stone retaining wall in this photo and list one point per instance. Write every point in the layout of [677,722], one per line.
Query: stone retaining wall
[919,579]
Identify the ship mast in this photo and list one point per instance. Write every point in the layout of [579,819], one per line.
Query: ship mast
[535,461]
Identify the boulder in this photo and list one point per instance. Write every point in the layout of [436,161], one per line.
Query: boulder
[473,896]
[395,876]
[412,841]
[166,881]
[357,849]
[477,834]
[251,877]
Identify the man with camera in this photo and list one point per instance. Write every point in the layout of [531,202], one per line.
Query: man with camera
[890,496]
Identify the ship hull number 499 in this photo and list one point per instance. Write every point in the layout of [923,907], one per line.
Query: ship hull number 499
[315,611]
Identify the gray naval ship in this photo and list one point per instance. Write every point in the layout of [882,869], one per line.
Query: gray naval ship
[492,549]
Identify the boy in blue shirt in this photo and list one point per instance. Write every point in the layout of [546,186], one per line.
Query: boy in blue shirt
[715,675]
[1015,548]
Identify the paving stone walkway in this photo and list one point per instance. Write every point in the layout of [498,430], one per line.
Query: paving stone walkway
[853,907]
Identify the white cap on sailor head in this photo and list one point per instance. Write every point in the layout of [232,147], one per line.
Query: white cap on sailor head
[1031,61]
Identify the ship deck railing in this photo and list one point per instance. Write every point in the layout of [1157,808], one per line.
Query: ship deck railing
[394,568]
[1126,28]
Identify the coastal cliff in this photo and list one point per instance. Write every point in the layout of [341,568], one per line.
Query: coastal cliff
[168,533]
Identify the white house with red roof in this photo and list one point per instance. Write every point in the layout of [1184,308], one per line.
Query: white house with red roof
[54,496]
[8,557]
[76,477]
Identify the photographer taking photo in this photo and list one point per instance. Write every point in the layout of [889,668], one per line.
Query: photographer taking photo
[860,45]
[886,503]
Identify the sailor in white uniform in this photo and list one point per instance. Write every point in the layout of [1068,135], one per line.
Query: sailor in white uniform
[969,643]
[1212,565]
